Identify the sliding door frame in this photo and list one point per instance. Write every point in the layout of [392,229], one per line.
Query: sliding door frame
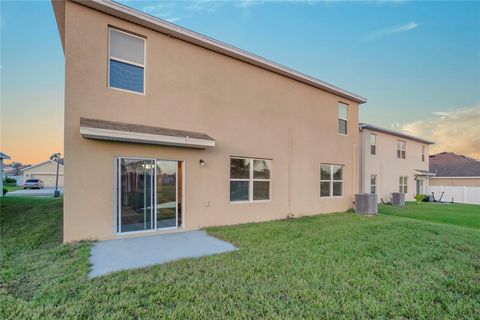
[117,191]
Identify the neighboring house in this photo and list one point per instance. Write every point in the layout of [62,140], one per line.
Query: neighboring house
[169,130]
[10,171]
[45,171]
[392,161]
[15,172]
[456,176]
[3,156]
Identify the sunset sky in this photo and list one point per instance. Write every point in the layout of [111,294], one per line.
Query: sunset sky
[417,63]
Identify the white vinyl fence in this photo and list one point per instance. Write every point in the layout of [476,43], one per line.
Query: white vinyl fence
[458,194]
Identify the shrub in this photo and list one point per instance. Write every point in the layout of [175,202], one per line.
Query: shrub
[5,191]
[419,198]
[10,180]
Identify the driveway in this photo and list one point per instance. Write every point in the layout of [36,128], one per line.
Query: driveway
[45,192]
[131,253]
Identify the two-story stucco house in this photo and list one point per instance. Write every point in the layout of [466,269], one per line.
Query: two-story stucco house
[392,161]
[167,130]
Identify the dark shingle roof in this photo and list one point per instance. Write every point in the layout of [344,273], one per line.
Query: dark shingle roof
[449,164]
[138,128]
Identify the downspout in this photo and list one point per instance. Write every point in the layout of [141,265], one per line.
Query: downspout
[361,170]
[289,188]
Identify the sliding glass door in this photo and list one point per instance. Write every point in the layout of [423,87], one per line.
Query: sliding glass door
[147,194]
[136,195]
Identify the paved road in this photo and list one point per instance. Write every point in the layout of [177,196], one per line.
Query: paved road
[45,192]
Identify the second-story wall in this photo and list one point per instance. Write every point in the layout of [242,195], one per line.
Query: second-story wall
[388,167]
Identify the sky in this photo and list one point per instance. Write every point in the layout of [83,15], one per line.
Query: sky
[417,62]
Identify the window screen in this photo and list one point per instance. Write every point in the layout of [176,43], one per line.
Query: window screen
[126,61]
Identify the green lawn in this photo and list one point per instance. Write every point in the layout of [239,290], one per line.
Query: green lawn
[12,187]
[465,215]
[328,266]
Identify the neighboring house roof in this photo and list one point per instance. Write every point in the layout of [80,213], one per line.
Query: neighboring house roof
[126,13]
[393,133]
[449,164]
[42,163]
[8,169]
[4,156]
[130,132]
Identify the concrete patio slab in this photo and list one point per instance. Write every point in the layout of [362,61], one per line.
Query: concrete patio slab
[132,253]
[45,192]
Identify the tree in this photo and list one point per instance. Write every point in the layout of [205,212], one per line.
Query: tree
[16,166]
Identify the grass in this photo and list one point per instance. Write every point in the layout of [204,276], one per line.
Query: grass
[328,266]
[12,187]
[465,215]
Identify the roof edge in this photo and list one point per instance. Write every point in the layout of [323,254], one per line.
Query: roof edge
[135,16]
[393,133]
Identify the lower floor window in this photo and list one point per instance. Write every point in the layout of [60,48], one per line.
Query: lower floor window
[403,184]
[331,180]
[250,179]
[373,183]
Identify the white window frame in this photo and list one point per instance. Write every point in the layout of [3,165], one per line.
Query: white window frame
[117,190]
[373,145]
[374,186]
[250,180]
[331,180]
[110,57]
[401,149]
[344,119]
[403,184]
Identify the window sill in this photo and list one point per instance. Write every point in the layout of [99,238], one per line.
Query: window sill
[252,202]
[127,91]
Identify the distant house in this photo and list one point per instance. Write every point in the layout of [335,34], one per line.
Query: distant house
[12,172]
[45,171]
[451,169]
[3,156]
[456,176]
[392,161]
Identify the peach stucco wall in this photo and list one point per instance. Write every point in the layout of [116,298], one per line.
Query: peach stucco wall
[249,111]
[388,167]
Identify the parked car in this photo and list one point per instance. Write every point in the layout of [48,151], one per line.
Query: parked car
[33,184]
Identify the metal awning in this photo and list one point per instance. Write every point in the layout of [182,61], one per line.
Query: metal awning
[424,173]
[135,133]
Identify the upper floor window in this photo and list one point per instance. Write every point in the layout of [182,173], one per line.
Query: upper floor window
[126,61]
[250,179]
[373,183]
[342,117]
[401,149]
[423,153]
[331,180]
[373,143]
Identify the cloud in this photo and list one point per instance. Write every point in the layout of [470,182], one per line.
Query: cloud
[391,31]
[454,131]
[248,3]
[204,5]
[162,10]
